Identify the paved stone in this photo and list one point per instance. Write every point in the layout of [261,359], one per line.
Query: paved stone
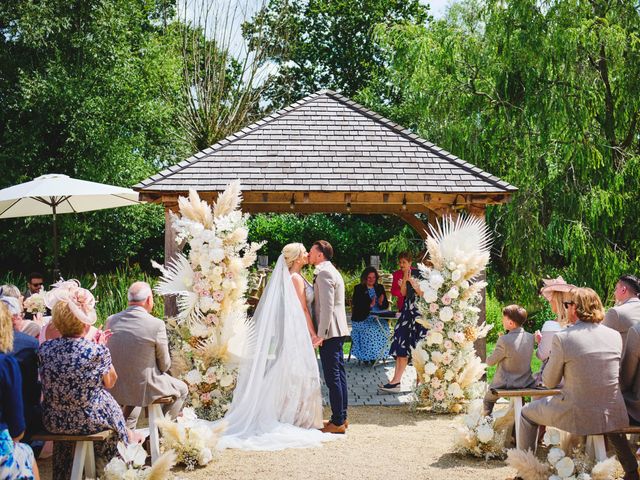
[363,381]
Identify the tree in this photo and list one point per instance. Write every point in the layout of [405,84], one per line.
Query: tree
[318,44]
[88,89]
[544,95]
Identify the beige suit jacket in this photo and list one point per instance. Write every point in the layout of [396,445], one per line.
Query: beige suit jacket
[623,317]
[587,356]
[513,354]
[328,302]
[630,373]
[140,355]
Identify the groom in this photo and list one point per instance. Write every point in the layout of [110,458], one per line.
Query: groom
[331,322]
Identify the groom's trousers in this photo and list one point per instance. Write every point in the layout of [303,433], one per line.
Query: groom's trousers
[335,376]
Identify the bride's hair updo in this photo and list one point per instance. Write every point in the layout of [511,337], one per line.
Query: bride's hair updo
[292,252]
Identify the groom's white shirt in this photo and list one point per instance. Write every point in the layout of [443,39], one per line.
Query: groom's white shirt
[329,305]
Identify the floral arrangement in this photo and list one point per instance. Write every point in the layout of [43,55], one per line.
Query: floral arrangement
[448,368]
[483,436]
[559,466]
[130,464]
[193,444]
[35,303]
[211,330]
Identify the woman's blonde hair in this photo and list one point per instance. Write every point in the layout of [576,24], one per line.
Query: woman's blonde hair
[588,305]
[557,299]
[292,252]
[6,329]
[65,321]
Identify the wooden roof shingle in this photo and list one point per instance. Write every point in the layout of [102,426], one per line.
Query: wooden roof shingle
[326,142]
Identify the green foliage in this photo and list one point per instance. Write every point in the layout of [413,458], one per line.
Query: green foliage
[545,96]
[494,317]
[326,43]
[354,237]
[88,89]
[110,291]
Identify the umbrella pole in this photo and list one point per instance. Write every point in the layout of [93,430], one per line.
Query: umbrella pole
[56,267]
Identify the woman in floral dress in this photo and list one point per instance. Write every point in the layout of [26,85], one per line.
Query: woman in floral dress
[407,332]
[75,374]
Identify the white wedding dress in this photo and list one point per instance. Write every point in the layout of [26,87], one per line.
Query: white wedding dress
[277,403]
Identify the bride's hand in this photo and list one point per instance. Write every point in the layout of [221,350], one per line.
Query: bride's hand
[316,341]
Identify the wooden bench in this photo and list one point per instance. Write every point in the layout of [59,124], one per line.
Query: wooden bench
[516,396]
[83,457]
[154,413]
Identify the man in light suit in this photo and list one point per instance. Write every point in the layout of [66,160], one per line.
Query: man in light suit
[140,354]
[331,320]
[588,356]
[626,313]
[512,354]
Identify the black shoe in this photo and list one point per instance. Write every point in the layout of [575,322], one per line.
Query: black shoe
[390,387]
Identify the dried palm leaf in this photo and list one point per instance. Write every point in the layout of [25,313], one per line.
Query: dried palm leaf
[461,240]
[472,372]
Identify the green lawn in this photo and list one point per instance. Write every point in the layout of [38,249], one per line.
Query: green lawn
[535,363]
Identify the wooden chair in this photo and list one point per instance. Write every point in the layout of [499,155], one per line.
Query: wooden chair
[84,463]
[154,413]
[595,445]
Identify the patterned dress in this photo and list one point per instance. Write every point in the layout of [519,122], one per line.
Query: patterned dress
[407,332]
[369,336]
[75,400]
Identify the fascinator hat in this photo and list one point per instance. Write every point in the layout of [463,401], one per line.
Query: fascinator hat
[81,301]
[12,303]
[554,285]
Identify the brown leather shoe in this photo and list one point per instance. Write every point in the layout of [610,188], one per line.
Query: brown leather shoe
[331,428]
[326,422]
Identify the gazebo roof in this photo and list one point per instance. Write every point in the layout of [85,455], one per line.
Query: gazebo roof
[326,143]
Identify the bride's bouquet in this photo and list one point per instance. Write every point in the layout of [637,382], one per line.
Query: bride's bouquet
[448,368]
[211,329]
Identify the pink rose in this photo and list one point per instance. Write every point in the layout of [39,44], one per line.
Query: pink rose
[218,295]
[446,299]
[433,307]
[435,382]
[229,275]
[212,319]
[439,395]
[448,344]
[439,326]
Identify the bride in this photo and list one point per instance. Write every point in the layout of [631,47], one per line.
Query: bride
[277,403]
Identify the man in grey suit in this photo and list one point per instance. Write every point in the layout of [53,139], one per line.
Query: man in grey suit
[626,313]
[331,320]
[587,355]
[140,354]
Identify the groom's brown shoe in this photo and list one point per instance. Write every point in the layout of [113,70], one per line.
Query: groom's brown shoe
[326,422]
[331,428]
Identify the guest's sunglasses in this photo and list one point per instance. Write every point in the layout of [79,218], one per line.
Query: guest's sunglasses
[566,304]
[37,284]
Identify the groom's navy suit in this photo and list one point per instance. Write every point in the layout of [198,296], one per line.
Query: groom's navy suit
[331,321]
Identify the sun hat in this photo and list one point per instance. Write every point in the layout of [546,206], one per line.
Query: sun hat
[554,285]
[81,301]
[551,326]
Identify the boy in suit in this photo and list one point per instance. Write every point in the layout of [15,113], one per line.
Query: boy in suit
[512,354]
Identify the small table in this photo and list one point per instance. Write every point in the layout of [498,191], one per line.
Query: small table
[385,328]
[516,400]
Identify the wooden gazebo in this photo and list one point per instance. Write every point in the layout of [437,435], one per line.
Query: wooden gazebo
[327,154]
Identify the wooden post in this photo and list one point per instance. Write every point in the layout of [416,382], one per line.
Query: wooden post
[171,248]
[481,343]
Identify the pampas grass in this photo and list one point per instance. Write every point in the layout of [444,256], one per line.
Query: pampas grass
[229,200]
[527,465]
[195,209]
[472,372]
[608,469]
[162,466]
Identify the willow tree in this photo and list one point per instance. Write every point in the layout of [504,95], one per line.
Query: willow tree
[545,95]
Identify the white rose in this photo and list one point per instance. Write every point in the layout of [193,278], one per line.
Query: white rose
[206,303]
[554,455]
[430,295]
[226,380]
[436,279]
[205,456]
[551,436]
[434,338]
[216,254]
[448,375]
[485,433]
[464,284]
[565,467]
[436,357]
[455,275]
[446,314]
[430,368]
[193,377]
[452,265]
[583,476]
[454,293]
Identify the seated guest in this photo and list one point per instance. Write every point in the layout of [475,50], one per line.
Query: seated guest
[143,376]
[587,355]
[75,375]
[626,312]
[25,351]
[16,459]
[629,378]
[368,340]
[20,323]
[404,262]
[35,282]
[512,354]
